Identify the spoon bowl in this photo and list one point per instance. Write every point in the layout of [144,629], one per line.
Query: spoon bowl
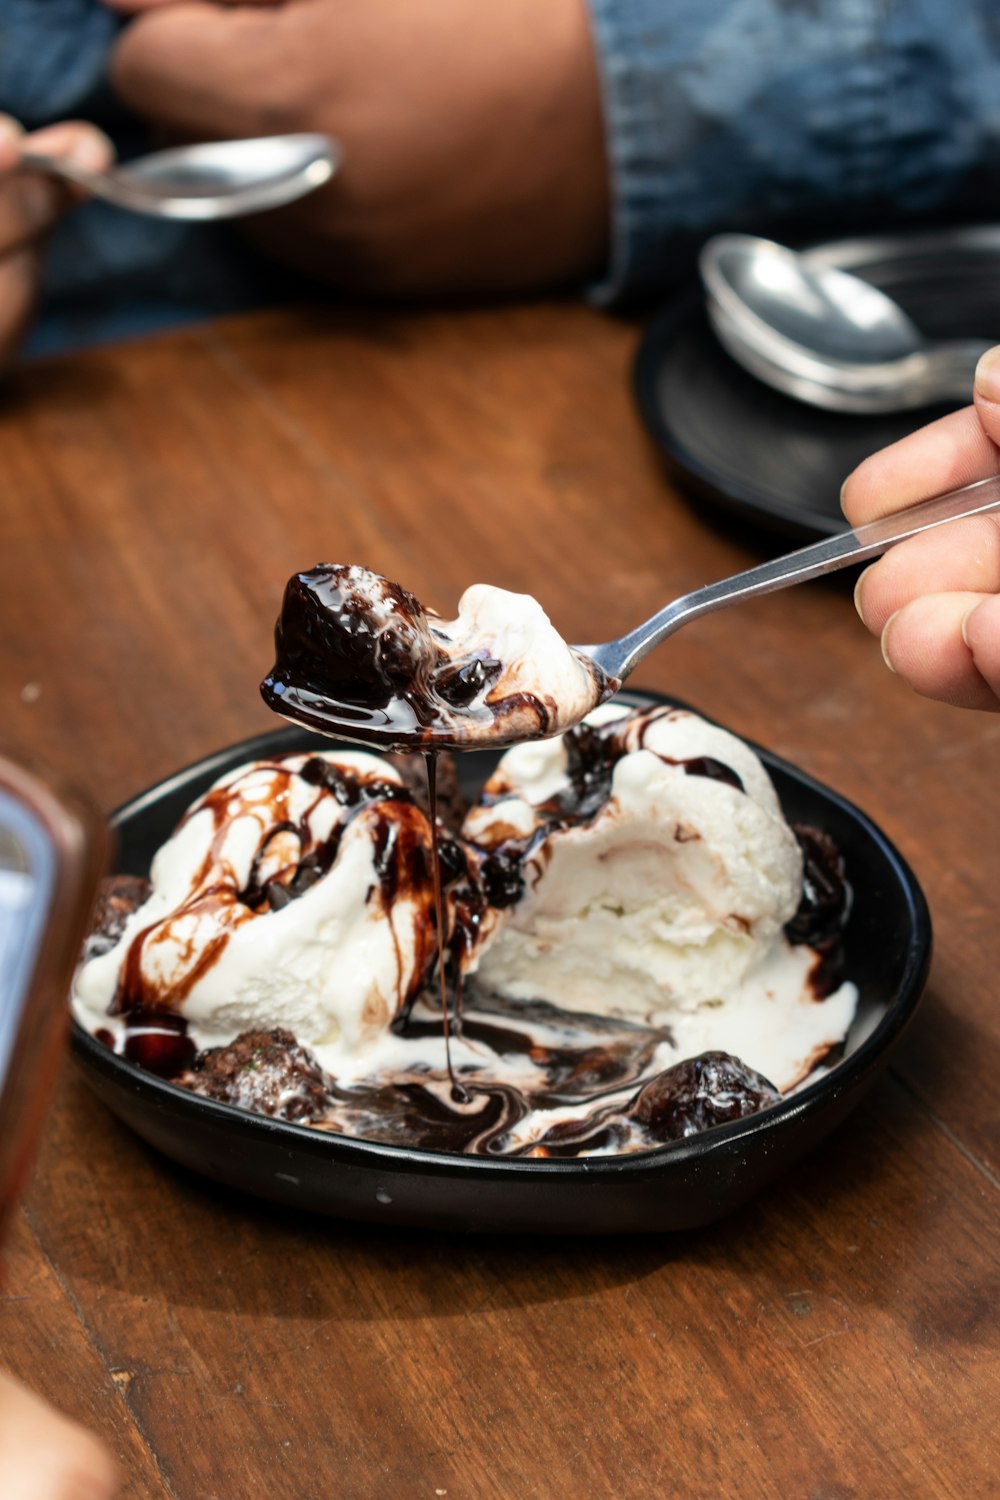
[823,335]
[216,180]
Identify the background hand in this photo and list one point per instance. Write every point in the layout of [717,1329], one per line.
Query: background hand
[45,1456]
[30,203]
[935,600]
[472,134]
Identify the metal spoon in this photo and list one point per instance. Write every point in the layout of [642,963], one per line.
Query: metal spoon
[407,713]
[218,180]
[616,659]
[823,335]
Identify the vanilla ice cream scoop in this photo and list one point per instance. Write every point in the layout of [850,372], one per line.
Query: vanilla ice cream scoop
[297,891]
[657,873]
[657,864]
[360,658]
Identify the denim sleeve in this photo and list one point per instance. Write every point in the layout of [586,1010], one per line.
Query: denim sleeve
[53,55]
[739,114]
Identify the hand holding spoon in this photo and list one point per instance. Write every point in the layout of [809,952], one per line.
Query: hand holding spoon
[360,659]
[217,180]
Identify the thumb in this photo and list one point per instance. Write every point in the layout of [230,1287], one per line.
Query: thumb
[197,68]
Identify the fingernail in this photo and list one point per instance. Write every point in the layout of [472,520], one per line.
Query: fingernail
[988,375]
[885,642]
[92,150]
[10,130]
[965,624]
[857,592]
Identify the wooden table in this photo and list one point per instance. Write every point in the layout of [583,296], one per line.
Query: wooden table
[838,1337]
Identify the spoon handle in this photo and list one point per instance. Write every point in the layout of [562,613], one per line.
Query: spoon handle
[798,567]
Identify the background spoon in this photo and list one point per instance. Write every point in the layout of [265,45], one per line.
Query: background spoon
[823,335]
[217,180]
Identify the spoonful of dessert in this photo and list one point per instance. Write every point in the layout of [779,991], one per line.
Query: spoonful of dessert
[360,658]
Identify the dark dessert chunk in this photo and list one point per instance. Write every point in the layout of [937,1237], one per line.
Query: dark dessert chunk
[158,1041]
[502,876]
[590,762]
[265,1071]
[118,896]
[699,1093]
[826,895]
[352,636]
[462,682]
[823,910]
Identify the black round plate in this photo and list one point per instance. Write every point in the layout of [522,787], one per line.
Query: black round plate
[678,1186]
[766,457]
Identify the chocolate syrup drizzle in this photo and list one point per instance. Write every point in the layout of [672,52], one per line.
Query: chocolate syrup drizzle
[459,1094]
[403,855]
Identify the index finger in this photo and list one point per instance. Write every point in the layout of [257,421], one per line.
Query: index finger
[945,455]
[951,452]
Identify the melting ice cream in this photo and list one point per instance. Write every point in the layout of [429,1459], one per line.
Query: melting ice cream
[633,949]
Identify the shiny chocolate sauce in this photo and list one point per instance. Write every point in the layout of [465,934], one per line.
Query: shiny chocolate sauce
[597,1077]
[289,860]
[824,908]
[360,658]
[158,1041]
[458,1092]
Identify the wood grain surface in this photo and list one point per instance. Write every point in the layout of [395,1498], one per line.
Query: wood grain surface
[837,1339]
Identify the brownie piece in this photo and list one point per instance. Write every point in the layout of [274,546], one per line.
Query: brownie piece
[826,895]
[118,896]
[700,1092]
[264,1071]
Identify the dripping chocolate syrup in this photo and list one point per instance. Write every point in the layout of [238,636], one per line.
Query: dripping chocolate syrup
[459,1094]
